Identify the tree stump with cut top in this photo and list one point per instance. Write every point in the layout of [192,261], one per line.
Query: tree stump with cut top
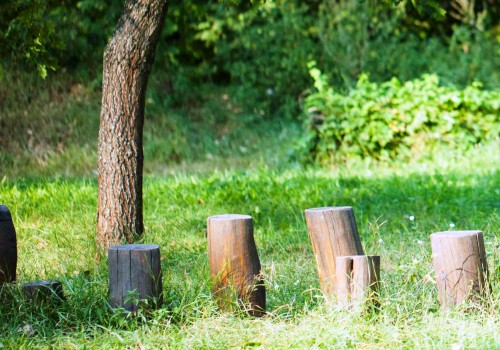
[460,265]
[43,292]
[234,262]
[357,280]
[8,247]
[135,279]
[333,232]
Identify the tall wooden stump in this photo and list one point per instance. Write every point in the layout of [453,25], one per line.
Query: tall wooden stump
[234,263]
[357,281]
[460,265]
[8,247]
[333,233]
[135,279]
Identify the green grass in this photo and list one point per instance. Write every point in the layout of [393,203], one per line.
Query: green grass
[210,159]
[55,220]
[50,128]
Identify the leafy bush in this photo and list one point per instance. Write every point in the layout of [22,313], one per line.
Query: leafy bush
[26,35]
[266,50]
[259,51]
[395,119]
[262,51]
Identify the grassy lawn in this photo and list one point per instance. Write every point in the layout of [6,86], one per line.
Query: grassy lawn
[397,207]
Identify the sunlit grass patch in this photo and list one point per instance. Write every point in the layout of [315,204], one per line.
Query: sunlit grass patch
[396,211]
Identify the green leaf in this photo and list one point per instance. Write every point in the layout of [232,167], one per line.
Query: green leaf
[42,70]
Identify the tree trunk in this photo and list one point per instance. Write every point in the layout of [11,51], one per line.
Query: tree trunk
[128,58]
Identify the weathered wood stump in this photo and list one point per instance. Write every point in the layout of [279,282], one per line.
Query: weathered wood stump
[8,247]
[333,233]
[460,265]
[135,278]
[357,281]
[43,292]
[234,262]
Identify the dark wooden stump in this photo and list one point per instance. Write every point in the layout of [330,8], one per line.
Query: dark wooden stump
[43,292]
[333,233]
[135,279]
[460,265]
[8,247]
[234,262]
[357,281]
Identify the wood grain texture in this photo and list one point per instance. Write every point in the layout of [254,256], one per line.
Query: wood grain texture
[333,232]
[357,281]
[43,292]
[343,279]
[8,247]
[134,269]
[128,59]
[460,265]
[234,262]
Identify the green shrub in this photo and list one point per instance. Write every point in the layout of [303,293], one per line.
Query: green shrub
[396,119]
[266,51]
[27,36]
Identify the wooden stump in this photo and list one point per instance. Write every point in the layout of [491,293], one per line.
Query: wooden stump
[357,280]
[460,265]
[333,233]
[42,292]
[8,247]
[135,279]
[234,263]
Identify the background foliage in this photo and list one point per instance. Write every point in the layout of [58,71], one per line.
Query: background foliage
[394,119]
[232,91]
[219,64]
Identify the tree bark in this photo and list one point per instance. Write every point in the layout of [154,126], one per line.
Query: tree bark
[128,58]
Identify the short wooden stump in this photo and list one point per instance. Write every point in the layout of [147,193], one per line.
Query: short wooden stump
[460,265]
[135,279]
[234,263]
[357,281]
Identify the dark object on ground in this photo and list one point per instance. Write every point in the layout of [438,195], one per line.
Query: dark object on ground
[42,292]
[8,247]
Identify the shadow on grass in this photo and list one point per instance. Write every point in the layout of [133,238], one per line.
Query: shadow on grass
[393,214]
